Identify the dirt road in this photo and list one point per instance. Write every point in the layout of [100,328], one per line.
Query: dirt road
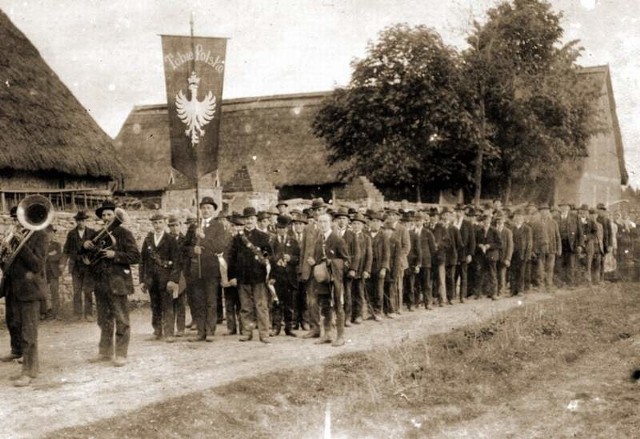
[71,391]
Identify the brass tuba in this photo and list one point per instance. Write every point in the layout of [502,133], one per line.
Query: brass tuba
[104,240]
[34,213]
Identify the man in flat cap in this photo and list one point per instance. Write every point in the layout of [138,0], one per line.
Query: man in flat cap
[206,244]
[81,279]
[179,303]
[159,276]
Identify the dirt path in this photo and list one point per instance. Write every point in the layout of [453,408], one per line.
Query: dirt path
[72,392]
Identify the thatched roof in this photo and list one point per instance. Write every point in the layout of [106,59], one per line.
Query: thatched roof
[43,127]
[276,130]
[602,74]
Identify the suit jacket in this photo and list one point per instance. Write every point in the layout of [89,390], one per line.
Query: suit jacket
[402,234]
[455,248]
[216,241]
[243,264]
[606,231]
[396,258]
[334,250]
[161,262]
[506,251]
[307,249]
[25,279]
[522,242]
[54,255]
[413,259]
[285,272]
[73,249]
[117,271]
[366,256]
[553,233]
[427,247]
[540,237]
[468,236]
[570,229]
[443,242]
[380,252]
[492,238]
[352,248]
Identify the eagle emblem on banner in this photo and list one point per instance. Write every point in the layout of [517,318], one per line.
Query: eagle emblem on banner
[193,113]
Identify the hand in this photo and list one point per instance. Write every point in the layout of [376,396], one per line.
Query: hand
[286,257]
[351,274]
[416,269]
[144,287]
[311,261]
[507,264]
[469,258]
[383,272]
[365,275]
[52,253]
[88,245]
[233,283]
[173,288]
[200,233]
[197,250]
[109,254]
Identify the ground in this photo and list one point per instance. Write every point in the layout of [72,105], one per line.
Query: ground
[73,393]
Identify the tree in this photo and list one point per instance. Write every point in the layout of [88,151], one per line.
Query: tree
[532,110]
[401,120]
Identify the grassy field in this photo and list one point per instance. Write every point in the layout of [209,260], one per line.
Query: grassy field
[559,368]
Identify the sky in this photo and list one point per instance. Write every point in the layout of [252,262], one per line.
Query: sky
[109,54]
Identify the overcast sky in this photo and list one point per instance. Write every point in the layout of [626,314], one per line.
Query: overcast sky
[109,54]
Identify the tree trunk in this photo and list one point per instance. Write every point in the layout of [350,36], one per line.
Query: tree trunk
[477,178]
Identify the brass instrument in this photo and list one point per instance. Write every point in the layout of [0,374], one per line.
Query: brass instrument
[34,213]
[104,240]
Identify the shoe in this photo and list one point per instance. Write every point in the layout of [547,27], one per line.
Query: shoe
[296,326]
[180,334]
[197,338]
[376,318]
[461,300]
[246,338]
[265,340]
[153,338]
[429,308]
[209,339]
[190,325]
[311,334]
[303,326]
[231,333]
[289,333]
[493,298]
[358,320]
[389,316]
[347,324]
[119,361]
[324,340]
[90,319]
[278,330]
[170,339]
[10,357]
[23,381]
[99,359]
[449,302]
[339,342]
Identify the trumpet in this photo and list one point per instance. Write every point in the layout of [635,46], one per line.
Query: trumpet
[34,213]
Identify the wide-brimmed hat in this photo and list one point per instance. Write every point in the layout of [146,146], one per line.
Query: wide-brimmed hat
[249,211]
[299,218]
[209,200]
[342,211]
[359,217]
[262,215]
[601,206]
[584,207]
[158,216]
[236,219]
[373,215]
[106,205]
[173,220]
[317,203]
[81,216]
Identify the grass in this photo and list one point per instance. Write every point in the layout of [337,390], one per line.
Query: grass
[415,389]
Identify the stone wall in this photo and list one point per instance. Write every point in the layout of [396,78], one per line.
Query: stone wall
[139,224]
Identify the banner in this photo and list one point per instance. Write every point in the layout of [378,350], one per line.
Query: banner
[194,72]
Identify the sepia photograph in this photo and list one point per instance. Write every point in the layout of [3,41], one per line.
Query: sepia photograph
[319,219]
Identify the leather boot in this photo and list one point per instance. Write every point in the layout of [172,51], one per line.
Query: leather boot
[339,331]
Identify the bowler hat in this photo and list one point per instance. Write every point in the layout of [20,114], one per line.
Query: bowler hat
[433,211]
[106,205]
[249,211]
[299,218]
[359,217]
[592,211]
[236,219]
[584,207]
[81,215]
[281,203]
[543,206]
[317,203]
[601,206]
[343,211]
[283,221]
[157,216]
[419,217]
[263,215]
[209,200]
[172,220]
[444,210]
[376,216]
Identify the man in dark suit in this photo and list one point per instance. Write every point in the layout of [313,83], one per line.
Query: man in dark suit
[522,243]
[81,278]
[298,223]
[380,253]
[331,250]
[248,268]
[427,253]
[11,240]
[571,241]
[341,219]
[506,252]
[206,244]
[400,233]
[453,250]
[113,282]
[179,303]
[468,236]
[159,276]
[554,248]
[24,287]
[285,259]
[488,245]
[607,234]
[363,270]
[51,306]
[307,249]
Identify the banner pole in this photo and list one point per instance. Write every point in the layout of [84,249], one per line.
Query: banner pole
[198,217]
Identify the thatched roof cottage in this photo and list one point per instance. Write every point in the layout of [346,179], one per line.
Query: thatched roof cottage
[48,140]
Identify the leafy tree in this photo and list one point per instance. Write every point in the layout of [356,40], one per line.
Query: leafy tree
[401,119]
[532,110]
